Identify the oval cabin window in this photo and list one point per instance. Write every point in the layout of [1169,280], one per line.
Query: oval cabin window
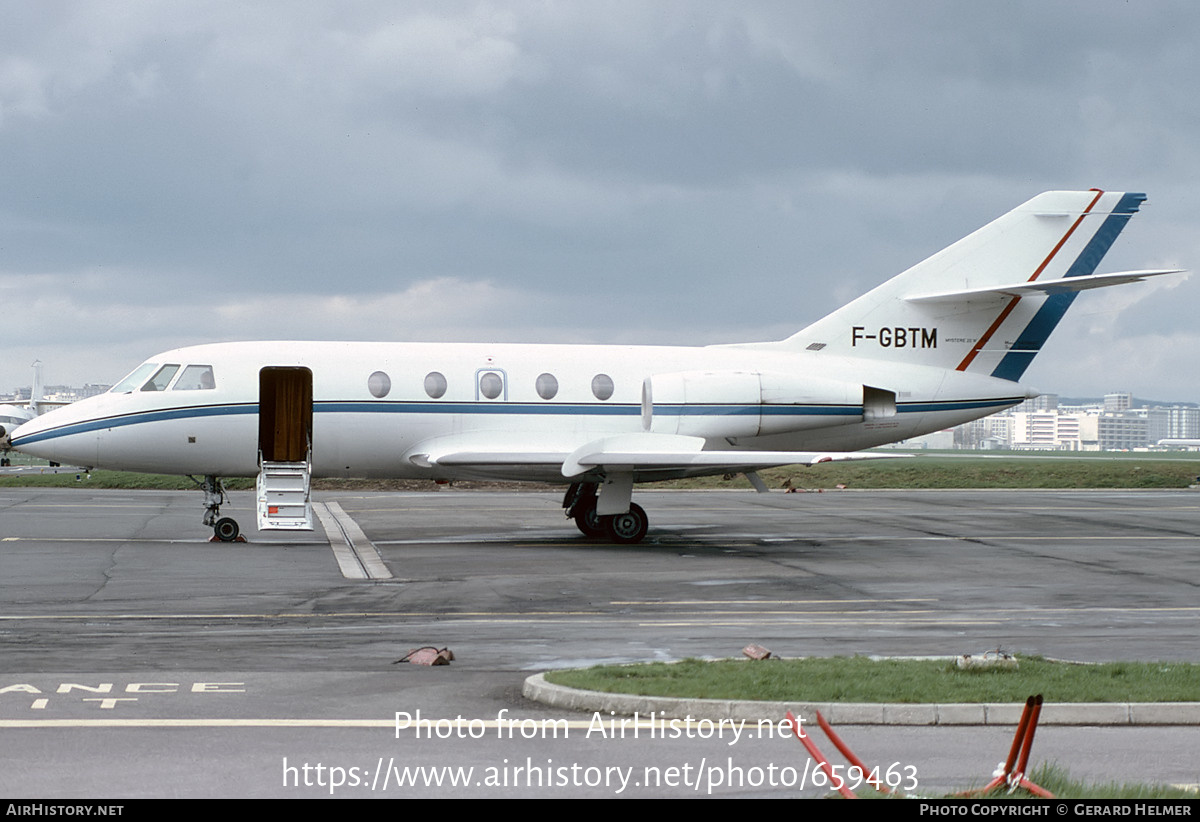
[435,384]
[547,386]
[379,384]
[602,386]
[490,385]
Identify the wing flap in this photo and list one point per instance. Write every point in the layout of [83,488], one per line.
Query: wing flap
[659,452]
[626,453]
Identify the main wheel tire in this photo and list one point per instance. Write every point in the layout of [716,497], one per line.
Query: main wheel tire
[588,523]
[226,529]
[628,528]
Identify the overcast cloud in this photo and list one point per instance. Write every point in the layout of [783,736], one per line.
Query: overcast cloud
[684,172]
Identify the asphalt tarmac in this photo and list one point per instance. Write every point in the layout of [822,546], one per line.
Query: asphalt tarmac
[139,659]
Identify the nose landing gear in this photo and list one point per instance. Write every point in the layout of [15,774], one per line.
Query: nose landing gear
[225,529]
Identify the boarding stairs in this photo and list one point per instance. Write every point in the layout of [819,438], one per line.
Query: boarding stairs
[283,495]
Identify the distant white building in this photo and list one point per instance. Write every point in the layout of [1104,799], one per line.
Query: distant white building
[1177,422]
[1054,431]
[1117,402]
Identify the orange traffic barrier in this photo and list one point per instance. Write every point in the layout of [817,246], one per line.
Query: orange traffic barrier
[835,781]
[1012,772]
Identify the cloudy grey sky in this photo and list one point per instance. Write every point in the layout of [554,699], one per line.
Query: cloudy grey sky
[682,172]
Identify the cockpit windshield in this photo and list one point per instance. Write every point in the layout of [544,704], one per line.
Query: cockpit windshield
[134,381]
[193,378]
[161,378]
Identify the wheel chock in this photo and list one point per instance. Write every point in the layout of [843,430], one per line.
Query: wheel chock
[238,538]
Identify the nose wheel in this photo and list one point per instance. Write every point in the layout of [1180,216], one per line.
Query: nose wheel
[225,529]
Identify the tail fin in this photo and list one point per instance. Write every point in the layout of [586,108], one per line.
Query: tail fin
[987,303]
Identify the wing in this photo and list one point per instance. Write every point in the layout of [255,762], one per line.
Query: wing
[646,456]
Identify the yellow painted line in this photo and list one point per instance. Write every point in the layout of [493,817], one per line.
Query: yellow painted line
[510,616]
[1082,537]
[763,601]
[809,623]
[1083,609]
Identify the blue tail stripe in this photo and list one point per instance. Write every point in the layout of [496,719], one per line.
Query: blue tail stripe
[1013,365]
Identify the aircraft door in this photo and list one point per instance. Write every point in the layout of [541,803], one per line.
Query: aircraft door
[285,413]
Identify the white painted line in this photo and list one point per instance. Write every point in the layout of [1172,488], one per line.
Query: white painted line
[355,554]
[346,560]
[457,722]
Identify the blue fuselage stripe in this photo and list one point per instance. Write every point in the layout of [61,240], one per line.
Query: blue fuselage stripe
[501,408]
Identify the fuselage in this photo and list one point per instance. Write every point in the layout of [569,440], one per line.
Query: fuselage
[375,406]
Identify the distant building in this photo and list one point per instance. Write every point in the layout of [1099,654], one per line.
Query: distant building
[1054,431]
[1042,402]
[1043,424]
[1117,402]
[1124,431]
[1177,422]
[987,433]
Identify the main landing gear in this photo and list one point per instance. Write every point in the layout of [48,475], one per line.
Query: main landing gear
[580,505]
[225,529]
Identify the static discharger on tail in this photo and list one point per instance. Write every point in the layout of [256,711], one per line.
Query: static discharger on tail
[940,344]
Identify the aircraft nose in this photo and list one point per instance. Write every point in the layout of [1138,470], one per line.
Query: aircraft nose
[71,434]
[24,439]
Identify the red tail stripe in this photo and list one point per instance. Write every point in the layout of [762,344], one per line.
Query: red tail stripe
[982,341]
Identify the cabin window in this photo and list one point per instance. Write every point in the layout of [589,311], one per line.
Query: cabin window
[435,384]
[491,384]
[161,379]
[195,378]
[134,380]
[379,384]
[547,386]
[602,386]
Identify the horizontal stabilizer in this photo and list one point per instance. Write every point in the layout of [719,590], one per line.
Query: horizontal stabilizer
[1061,286]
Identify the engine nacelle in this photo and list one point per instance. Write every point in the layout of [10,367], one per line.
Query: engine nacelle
[755,403]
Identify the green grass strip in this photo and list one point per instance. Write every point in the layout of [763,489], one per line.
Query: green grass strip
[965,470]
[861,679]
[70,478]
[969,471]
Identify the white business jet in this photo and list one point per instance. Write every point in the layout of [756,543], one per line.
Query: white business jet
[13,416]
[942,343]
